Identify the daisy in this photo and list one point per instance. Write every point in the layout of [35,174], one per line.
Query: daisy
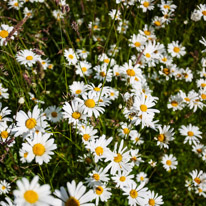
[201,83]
[5,133]
[113,93]
[158,22]
[29,123]
[58,15]
[176,49]
[124,130]
[31,193]
[198,149]
[137,195]
[71,57]
[4,33]
[78,88]
[146,5]
[169,162]
[106,60]
[115,14]
[75,195]
[148,32]
[40,148]
[3,92]
[191,134]
[26,57]
[175,102]
[135,157]
[101,192]
[83,53]
[154,199]
[136,137]
[102,72]
[116,71]
[8,202]
[27,13]
[90,104]
[94,25]
[53,113]
[97,90]
[83,68]
[167,6]
[198,177]
[15,4]
[165,136]
[4,187]
[138,41]
[34,99]
[24,155]
[152,163]
[202,10]
[142,178]
[3,115]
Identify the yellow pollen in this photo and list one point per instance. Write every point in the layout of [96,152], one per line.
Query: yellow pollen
[204,13]
[130,72]
[203,85]
[38,149]
[29,58]
[122,178]
[30,123]
[164,59]
[137,139]
[99,151]
[187,99]
[16,4]
[151,202]
[166,71]
[95,26]
[97,89]
[168,162]
[112,94]
[103,74]
[72,201]
[43,62]
[161,137]
[147,55]
[31,196]
[50,66]
[126,131]
[146,4]
[71,56]
[90,103]
[203,96]
[76,115]
[176,49]
[4,33]
[157,23]
[28,14]
[84,69]
[199,190]
[199,150]
[174,103]
[99,190]
[190,133]
[4,134]
[186,75]
[137,44]
[118,158]
[83,51]
[3,187]
[136,79]
[143,108]
[96,176]
[78,91]
[117,73]
[133,194]
[147,33]
[197,180]
[54,114]
[25,154]
[134,159]
[86,137]
[106,61]
[166,6]
[141,178]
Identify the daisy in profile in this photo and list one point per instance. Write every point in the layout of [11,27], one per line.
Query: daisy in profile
[53,113]
[102,193]
[6,134]
[3,115]
[154,199]
[58,15]
[75,195]
[71,57]
[29,123]
[169,162]
[152,163]
[176,49]
[3,92]
[31,193]
[191,133]
[137,195]
[4,33]
[4,187]
[27,57]
[90,105]
[40,148]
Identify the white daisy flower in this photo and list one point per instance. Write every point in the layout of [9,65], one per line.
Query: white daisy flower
[136,137]
[71,57]
[4,187]
[78,88]
[3,115]
[137,41]
[83,68]
[15,4]
[53,113]
[154,199]
[3,92]
[169,162]
[176,49]
[88,133]
[115,14]
[83,53]
[146,5]
[24,155]
[142,177]
[28,13]
[4,33]
[102,72]
[8,202]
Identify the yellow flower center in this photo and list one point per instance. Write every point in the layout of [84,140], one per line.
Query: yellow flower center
[204,13]
[106,61]
[78,91]
[117,73]
[4,134]
[203,85]
[167,6]
[126,130]
[161,137]
[118,158]
[134,159]
[103,74]
[146,4]
[99,151]
[197,180]
[190,133]
[133,194]
[71,56]
[30,123]
[147,55]
[88,160]
[152,202]
[50,66]
[203,96]
[38,149]
[199,150]
[25,154]
[130,72]
[96,176]
[86,137]
[84,69]
[90,103]
[174,103]
[137,44]
[176,49]
[137,139]
[112,94]
[122,178]
[16,4]
[95,26]
[187,99]
[4,33]
[143,108]
[54,114]
[29,58]
[72,201]
[164,59]
[147,33]
[141,178]
[199,190]
[99,190]
[31,196]
[97,89]
[168,162]
[166,71]
[76,115]
[157,23]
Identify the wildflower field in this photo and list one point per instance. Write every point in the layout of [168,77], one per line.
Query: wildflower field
[102,102]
